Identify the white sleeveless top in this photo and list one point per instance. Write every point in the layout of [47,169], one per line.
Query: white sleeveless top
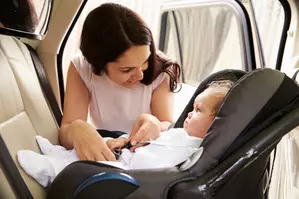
[112,106]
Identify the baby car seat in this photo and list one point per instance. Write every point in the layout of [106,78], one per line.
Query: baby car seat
[258,111]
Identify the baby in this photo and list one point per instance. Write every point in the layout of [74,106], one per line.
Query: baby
[177,146]
[199,120]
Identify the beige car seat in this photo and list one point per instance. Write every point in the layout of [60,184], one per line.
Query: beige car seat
[24,112]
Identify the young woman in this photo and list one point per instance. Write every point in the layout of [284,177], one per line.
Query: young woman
[118,77]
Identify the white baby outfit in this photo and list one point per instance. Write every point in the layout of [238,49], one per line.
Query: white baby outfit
[173,147]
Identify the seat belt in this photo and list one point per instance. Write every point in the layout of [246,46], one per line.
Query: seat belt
[46,87]
[12,173]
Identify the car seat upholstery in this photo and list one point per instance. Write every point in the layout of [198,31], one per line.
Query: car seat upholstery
[24,110]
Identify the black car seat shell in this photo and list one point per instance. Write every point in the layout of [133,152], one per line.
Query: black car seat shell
[261,108]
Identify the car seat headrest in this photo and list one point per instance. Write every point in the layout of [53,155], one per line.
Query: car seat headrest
[246,110]
[25,18]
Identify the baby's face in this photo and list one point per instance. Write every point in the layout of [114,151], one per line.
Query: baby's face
[204,110]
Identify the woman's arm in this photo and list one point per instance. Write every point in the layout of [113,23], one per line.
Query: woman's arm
[75,132]
[75,105]
[148,126]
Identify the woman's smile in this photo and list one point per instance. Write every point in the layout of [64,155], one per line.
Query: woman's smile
[131,83]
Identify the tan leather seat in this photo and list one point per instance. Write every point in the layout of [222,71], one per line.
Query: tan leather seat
[24,112]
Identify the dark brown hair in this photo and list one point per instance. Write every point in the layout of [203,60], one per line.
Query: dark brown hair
[110,30]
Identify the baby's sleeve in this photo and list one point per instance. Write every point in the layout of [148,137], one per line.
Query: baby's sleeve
[83,68]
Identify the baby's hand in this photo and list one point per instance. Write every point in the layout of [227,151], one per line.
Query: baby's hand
[117,143]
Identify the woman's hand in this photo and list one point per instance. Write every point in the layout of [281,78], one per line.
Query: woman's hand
[147,127]
[117,143]
[88,144]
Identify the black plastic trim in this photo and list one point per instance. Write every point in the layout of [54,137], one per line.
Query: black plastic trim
[284,35]
[250,38]
[163,31]
[12,173]
[16,33]
[258,38]
[179,43]
[61,50]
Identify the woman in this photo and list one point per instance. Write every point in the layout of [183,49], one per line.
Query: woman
[118,78]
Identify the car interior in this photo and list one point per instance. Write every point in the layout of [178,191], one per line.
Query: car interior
[238,40]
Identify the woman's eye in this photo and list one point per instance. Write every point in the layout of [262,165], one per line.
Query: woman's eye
[197,110]
[144,66]
[127,70]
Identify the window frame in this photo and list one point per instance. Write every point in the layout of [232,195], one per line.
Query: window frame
[250,61]
[62,50]
[284,33]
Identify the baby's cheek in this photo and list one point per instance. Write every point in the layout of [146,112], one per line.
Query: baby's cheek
[185,128]
[123,78]
[195,125]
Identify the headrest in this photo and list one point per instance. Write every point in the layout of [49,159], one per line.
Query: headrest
[257,99]
[25,18]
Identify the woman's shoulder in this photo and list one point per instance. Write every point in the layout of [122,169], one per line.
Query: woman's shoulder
[79,61]
[158,80]
[83,68]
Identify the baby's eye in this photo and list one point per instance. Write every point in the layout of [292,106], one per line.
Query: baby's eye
[197,110]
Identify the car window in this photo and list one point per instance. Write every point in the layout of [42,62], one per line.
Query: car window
[206,37]
[270,19]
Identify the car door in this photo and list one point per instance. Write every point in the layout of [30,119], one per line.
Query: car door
[205,37]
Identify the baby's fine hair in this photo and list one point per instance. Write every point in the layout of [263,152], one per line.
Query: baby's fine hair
[228,84]
[224,86]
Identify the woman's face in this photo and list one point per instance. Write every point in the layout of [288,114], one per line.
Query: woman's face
[128,69]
